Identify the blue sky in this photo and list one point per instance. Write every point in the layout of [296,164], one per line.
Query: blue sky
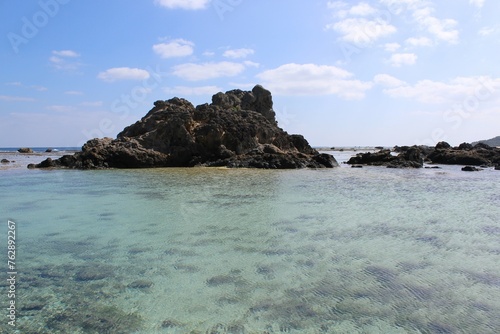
[342,73]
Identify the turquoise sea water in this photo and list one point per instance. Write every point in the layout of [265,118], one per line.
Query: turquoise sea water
[208,250]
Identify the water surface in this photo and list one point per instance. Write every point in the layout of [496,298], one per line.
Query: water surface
[208,250]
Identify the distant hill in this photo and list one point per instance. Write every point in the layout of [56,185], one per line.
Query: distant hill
[492,142]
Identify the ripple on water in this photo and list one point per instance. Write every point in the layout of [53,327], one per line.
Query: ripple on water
[242,251]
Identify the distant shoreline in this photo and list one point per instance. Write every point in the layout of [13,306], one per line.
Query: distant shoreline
[41,149]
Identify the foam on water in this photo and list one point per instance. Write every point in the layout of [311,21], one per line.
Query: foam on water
[198,250]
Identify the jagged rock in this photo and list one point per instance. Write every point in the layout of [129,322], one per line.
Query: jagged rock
[465,146]
[483,146]
[410,157]
[442,145]
[25,150]
[238,129]
[465,154]
[471,169]
[5,161]
[378,158]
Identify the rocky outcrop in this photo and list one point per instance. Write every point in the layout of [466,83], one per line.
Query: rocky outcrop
[25,150]
[471,169]
[238,129]
[443,153]
[409,157]
[465,154]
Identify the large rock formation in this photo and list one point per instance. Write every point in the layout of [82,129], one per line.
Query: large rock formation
[238,129]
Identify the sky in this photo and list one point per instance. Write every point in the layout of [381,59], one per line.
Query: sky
[342,73]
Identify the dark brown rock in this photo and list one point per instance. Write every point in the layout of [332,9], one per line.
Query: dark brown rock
[238,129]
[25,150]
[465,154]
[471,169]
[409,157]
[442,145]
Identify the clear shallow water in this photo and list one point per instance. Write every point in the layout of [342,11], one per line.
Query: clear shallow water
[200,250]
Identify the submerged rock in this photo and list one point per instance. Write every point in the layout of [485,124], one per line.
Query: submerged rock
[238,129]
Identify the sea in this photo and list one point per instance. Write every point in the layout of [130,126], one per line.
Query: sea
[217,250]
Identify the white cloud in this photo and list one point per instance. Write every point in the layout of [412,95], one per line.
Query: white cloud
[362,31]
[388,80]
[421,41]
[422,13]
[399,59]
[183,4]
[391,47]
[35,87]
[66,53]
[238,53]
[249,63]
[335,4]
[196,72]
[362,9]
[60,108]
[398,6]
[39,88]
[477,3]
[456,90]
[9,98]
[312,79]
[93,104]
[56,60]
[189,91]
[443,30]
[123,73]
[174,48]
[64,60]
[73,92]
[487,31]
